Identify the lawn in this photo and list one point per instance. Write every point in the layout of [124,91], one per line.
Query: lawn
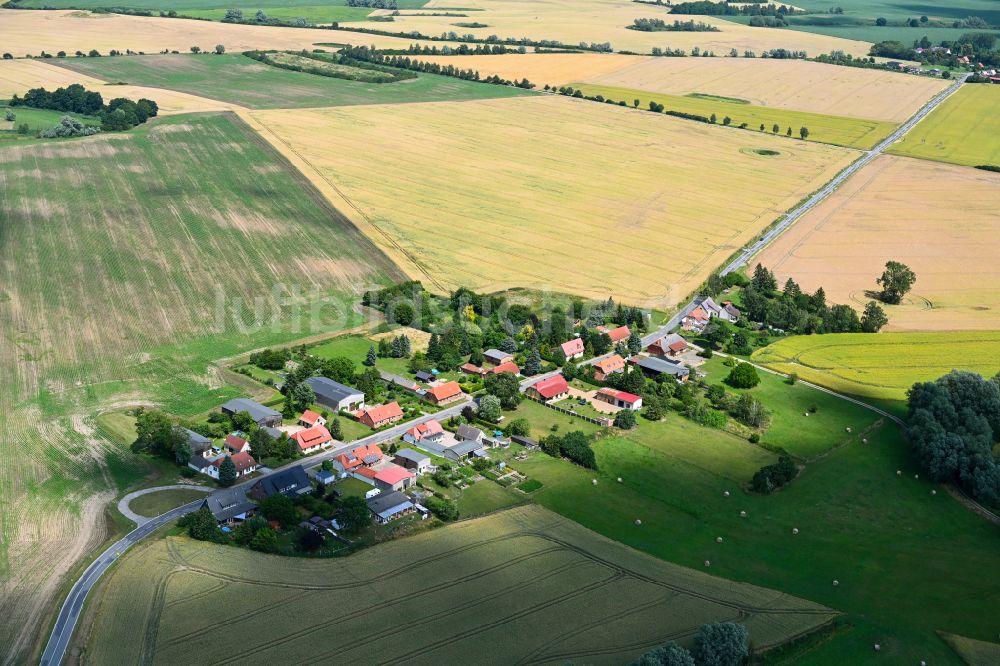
[351,487]
[555,220]
[965,129]
[838,130]
[156,503]
[238,79]
[802,436]
[141,258]
[436,597]
[484,497]
[882,366]
[36,120]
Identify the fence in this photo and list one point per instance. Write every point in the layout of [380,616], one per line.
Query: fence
[570,412]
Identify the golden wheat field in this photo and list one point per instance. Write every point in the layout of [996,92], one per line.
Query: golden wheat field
[941,220]
[434,598]
[18,76]
[575,21]
[502,193]
[29,32]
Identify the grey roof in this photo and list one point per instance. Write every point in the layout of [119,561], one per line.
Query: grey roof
[226,504]
[273,432]
[292,481]
[466,431]
[330,392]
[257,411]
[661,366]
[199,462]
[324,476]
[464,448]
[196,440]
[523,441]
[495,354]
[424,376]
[384,502]
[412,456]
[670,339]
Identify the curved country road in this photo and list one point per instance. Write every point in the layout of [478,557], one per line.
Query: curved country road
[125,510]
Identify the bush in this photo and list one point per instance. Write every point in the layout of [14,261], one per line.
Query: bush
[625,419]
[771,477]
[69,127]
[744,376]
[722,644]
[444,509]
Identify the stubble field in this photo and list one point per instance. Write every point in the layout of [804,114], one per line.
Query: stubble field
[796,85]
[965,129]
[501,193]
[939,219]
[133,260]
[882,366]
[435,598]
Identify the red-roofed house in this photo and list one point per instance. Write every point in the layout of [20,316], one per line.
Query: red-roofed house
[671,345]
[236,444]
[549,389]
[355,459]
[313,439]
[473,369]
[509,366]
[619,398]
[366,474]
[376,417]
[424,432]
[608,366]
[310,418]
[394,477]
[616,334]
[245,464]
[696,319]
[444,393]
[573,348]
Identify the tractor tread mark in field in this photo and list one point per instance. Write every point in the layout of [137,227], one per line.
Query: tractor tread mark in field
[217,587]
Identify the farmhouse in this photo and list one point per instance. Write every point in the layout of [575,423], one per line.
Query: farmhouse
[412,460]
[363,456]
[654,367]
[707,309]
[393,477]
[262,416]
[619,398]
[229,506]
[472,369]
[310,418]
[617,335]
[444,393]
[608,366]
[669,346]
[469,433]
[431,431]
[335,395]
[289,482]
[497,357]
[695,320]
[549,389]
[509,366]
[573,349]
[376,417]
[387,507]
[313,439]
[244,462]
[236,444]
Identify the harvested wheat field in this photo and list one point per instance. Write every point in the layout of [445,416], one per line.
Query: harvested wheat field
[963,130]
[29,32]
[882,366]
[575,21]
[19,76]
[941,220]
[797,85]
[433,598]
[498,193]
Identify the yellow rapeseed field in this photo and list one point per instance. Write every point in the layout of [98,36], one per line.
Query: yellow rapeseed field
[18,76]
[573,21]
[433,598]
[550,192]
[29,32]
[941,220]
[797,85]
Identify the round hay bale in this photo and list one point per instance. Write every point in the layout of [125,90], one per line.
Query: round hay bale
[707,563]
[795,530]
[916,476]
[899,472]
[805,414]
[725,494]
[619,479]
[836,583]
[638,522]
[933,492]
[594,481]
[718,539]
[743,514]
[877,647]
[848,428]
[864,440]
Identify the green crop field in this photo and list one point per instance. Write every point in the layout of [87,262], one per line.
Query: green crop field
[565,593]
[237,79]
[315,11]
[964,130]
[35,119]
[882,366]
[859,523]
[132,261]
[893,10]
[850,132]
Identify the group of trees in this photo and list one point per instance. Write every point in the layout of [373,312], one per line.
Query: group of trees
[709,8]
[375,4]
[771,477]
[365,54]
[978,45]
[271,359]
[721,644]
[953,427]
[118,115]
[659,25]
[398,347]
[69,127]
[573,445]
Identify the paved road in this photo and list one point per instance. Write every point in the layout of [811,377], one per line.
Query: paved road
[69,614]
[123,503]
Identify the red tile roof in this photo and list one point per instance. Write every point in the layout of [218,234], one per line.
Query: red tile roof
[422,430]
[678,346]
[393,474]
[356,457]
[235,442]
[573,347]
[472,369]
[624,396]
[310,417]
[610,364]
[366,472]
[311,437]
[616,334]
[445,391]
[509,366]
[551,386]
[243,462]
[383,412]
